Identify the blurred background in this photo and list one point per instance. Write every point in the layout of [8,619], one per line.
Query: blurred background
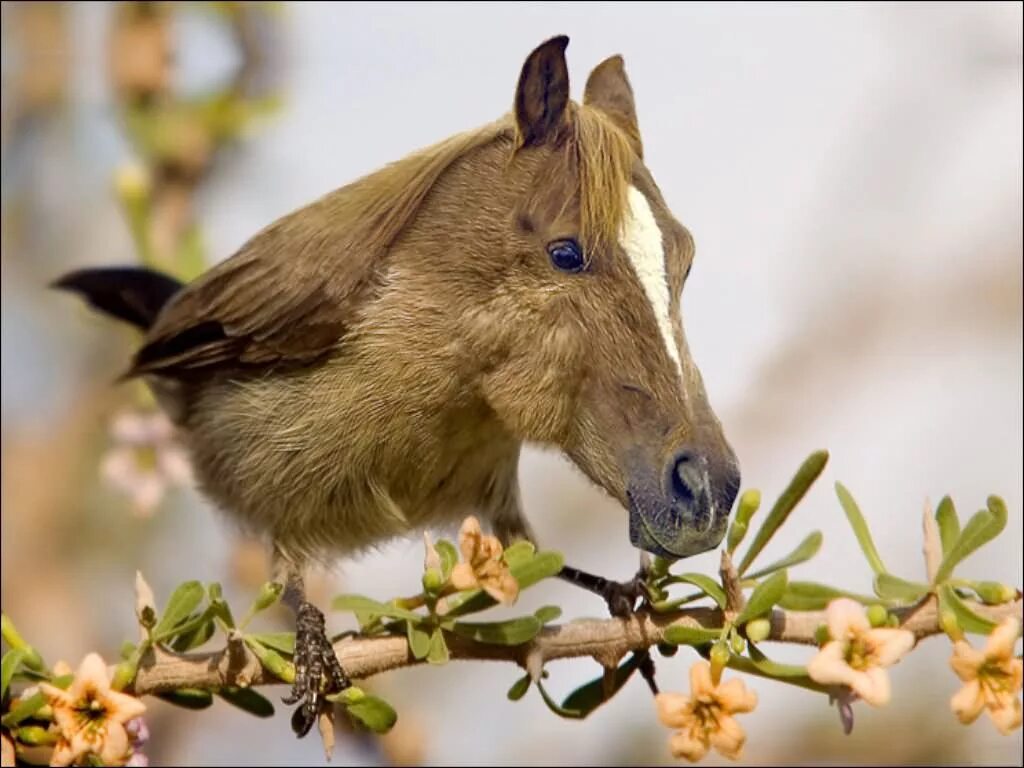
[852,175]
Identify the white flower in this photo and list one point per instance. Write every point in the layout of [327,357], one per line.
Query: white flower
[857,655]
[91,716]
[992,679]
[704,719]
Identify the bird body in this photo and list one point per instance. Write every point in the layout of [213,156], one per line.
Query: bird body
[372,363]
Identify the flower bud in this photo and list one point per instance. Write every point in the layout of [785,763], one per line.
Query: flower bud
[145,606]
[758,630]
[431,558]
[749,503]
[994,593]
[433,577]
[737,643]
[719,658]
[878,616]
[269,594]
[35,735]
[433,580]
[736,533]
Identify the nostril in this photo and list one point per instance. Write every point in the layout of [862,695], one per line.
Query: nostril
[685,477]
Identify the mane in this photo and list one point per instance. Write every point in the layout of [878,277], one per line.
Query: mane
[377,207]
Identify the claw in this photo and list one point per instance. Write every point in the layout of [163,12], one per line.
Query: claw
[317,671]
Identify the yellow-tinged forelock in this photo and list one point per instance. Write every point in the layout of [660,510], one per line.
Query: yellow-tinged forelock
[605,157]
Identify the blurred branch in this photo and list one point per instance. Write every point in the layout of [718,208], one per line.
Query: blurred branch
[606,641]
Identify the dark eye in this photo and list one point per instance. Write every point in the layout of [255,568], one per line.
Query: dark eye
[566,255]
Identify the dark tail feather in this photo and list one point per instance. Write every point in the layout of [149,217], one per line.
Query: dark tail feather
[133,294]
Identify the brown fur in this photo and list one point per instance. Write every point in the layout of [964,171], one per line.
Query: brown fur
[372,363]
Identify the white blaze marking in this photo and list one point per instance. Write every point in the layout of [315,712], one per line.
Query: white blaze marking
[641,239]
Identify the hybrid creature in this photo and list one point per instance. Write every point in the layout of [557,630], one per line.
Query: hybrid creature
[372,363]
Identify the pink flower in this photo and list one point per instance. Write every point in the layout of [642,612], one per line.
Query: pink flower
[992,678]
[91,717]
[145,460]
[704,719]
[857,655]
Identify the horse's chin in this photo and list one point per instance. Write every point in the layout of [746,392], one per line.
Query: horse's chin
[674,531]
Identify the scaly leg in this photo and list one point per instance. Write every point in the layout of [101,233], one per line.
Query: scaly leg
[621,596]
[511,526]
[317,671]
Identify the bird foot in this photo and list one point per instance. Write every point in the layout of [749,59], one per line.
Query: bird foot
[317,671]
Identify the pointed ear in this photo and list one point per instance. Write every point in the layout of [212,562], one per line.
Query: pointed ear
[608,89]
[543,92]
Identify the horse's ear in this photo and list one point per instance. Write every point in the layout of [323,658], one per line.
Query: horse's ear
[608,89]
[543,92]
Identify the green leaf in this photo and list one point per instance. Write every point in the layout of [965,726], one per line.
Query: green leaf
[548,613]
[949,524]
[860,528]
[28,707]
[968,620]
[374,713]
[126,672]
[773,668]
[284,642]
[784,673]
[668,606]
[269,594]
[748,504]
[554,706]
[518,553]
[807,549]
[185,599]
[188,698]
[811,596]
[542,565]
[221,610]
[590,696]
[891,587]
[438,650]
[983,526]
[449,557]
[13,638]
[519,688]
[358,603]
[764,597]
[706,584]
[194,636]
[36,735]
[419,640]
[511,632]
[681,634]
[25,709]
[11,661]
[798,486]
[247,700]
[271,660]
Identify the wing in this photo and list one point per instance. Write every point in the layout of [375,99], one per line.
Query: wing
[286,298]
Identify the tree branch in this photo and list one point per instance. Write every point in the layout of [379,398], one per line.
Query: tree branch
[606,641]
